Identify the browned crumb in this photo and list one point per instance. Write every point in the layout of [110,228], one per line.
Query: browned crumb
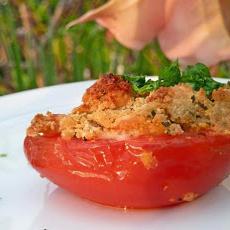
[111,110]
[44,124]
[190,196]
[109,92]
[219,115]
[149,160]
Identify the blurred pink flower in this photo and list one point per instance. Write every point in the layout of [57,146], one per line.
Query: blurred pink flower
[190,30]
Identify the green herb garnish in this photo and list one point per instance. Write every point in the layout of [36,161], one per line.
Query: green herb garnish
[198,76]
[170,75]
[137,82]
[3,155]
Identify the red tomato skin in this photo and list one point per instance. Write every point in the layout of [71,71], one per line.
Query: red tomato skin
[145,172]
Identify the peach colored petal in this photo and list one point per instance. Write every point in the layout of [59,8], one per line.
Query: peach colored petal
[190,30]
[133,22]
[195,31]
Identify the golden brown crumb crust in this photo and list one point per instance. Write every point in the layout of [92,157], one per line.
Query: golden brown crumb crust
[110,109]
[109,92]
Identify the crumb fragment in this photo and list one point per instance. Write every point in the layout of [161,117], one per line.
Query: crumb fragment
[109,92]
[148,160]
[190,196]
[44,124]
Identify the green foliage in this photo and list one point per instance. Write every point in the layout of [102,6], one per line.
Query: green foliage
[198,76]
[36,50]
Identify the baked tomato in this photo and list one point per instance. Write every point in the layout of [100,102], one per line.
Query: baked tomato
[144,172]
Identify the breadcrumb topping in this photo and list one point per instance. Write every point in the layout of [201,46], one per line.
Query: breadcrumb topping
[110,109]
[109,92]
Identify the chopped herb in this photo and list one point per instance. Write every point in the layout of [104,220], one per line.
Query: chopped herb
[137,82]
[166,123]
[198,76]
[3,155]
[153,113]
[170,75]
[193,98]
[202,106]
[148,87]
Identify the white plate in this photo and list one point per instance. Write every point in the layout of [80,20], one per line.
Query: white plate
[29,202]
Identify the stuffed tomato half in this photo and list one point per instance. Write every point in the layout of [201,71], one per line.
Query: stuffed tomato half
[136,143]
[144,172]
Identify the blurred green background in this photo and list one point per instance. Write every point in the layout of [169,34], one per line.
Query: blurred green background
[36,50]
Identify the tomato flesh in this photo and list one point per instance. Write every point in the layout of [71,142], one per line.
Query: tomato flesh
[144,172]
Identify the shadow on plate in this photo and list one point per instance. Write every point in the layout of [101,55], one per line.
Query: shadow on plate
[63,210]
